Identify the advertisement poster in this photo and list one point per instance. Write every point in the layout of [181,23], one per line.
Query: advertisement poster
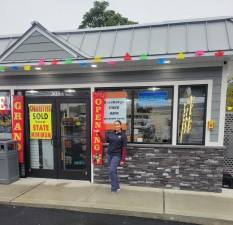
[97,127]
[5,116]
[152,98]
[18,125]
[40,121]
[115,109]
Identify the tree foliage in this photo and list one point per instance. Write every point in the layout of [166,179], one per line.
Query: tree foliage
[229,102]
[99,16]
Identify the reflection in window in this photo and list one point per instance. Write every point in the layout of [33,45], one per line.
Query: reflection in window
[41,154]
[153,115]
[191,122]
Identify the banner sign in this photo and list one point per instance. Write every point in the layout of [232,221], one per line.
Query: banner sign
[40,121]
[97,127]
[18,125]
[115,109]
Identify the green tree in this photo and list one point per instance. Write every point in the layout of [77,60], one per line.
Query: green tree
[229,102]
[99,16]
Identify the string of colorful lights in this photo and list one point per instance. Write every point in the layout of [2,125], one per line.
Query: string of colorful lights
[98,59]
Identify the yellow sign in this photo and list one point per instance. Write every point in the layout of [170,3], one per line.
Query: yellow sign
[186,126]
[40,121]
[211,124]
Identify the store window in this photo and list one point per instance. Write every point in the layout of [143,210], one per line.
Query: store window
[5,114]
[191,115]
[147,113]
[152,113]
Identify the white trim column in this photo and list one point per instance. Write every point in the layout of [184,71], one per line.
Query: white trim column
[208,113]
[175,115]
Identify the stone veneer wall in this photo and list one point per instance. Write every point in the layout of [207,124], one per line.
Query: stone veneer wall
[197,168]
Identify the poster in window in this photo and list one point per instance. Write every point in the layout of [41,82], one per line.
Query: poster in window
[40,121]
[115,105]
[5,116]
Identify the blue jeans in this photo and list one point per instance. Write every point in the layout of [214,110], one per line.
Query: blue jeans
[113,162]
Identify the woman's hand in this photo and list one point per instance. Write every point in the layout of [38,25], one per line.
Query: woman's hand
[122,163]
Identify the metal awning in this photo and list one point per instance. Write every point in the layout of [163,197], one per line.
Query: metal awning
[167,38]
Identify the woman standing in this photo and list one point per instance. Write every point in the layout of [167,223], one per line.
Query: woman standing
[116,152]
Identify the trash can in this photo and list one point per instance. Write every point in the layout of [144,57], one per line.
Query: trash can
[9,167]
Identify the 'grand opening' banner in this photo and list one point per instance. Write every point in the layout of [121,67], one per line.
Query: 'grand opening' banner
[18,125]
[97,127]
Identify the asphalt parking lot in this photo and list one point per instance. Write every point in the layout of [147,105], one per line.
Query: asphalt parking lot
[18,215]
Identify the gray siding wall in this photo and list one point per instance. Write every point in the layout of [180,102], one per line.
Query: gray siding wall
[37,46]
[213,73]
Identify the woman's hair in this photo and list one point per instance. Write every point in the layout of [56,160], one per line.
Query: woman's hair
[118,121]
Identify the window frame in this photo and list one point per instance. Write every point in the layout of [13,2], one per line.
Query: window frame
[132,89]
[205,115]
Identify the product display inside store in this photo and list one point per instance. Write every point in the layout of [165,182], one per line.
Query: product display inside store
[73,135]
[148,114]
[5,114]
[153,115]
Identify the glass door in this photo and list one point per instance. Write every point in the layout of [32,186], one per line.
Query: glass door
[41,138]
[74,140]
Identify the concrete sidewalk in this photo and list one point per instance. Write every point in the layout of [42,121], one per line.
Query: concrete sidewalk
[186,206]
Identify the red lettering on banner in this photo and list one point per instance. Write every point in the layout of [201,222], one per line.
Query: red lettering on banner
[18,125]
[98,126]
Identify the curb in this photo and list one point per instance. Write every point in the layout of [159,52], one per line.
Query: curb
[88,209]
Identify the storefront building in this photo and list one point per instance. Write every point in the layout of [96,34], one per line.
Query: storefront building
[166,82]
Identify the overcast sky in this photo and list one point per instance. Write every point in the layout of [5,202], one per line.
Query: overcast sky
[55,15]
